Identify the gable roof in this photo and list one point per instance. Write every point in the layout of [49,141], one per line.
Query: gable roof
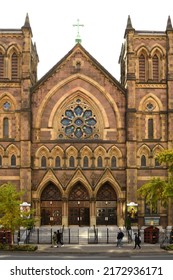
[95,62]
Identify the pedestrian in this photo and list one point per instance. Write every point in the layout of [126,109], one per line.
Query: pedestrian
[59,238]
[54,239]
[137,241]
[120,236]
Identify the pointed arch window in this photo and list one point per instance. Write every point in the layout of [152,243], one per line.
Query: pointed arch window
[6,127]
[157,164]
[99,162]
[155,68]
[43,162]
[0,160]
[58,162]
[14,66]
[142,68]
[85,162]
[143,161]
[113,162]
[13,160]
[71,162]
[1,65]
[150,129]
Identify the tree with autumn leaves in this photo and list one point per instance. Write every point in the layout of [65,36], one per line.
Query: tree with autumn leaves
[157,189]
[11,216]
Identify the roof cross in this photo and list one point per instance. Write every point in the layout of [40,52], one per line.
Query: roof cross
[78,39]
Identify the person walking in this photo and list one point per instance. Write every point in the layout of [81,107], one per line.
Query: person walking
[59,238]
[120,236]
[54,239]
[137,241]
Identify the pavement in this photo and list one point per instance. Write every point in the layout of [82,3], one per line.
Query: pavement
[100,248]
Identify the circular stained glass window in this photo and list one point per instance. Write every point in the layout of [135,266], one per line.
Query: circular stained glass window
[78,121]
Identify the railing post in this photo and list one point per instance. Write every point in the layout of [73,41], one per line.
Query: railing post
[107,235]
[69,235]
[38,236]
[51,235]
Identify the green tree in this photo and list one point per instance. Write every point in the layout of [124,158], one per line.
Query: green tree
[11,216]
[156,189]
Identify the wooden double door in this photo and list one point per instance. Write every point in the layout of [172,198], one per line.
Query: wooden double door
[79,216]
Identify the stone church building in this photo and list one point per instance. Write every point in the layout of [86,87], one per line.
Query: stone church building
[79,142]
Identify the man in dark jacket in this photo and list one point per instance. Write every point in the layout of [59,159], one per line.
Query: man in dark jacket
[120,236]
[137,241]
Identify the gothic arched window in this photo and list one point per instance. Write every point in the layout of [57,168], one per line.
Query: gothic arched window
[5,127]
[43,161]
[99,162]
[143,160]
[57,162]
[13,160]
[85,162]
[113,162]
[150,129]
[14,66]
[71,161]
[142,68]
[156,162]
[1,65]
[155,68]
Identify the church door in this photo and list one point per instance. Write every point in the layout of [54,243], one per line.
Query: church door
[106,206]
[78,212]
[51,206]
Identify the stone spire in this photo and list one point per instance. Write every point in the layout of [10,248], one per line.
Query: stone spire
[169,24]
[129,26]
[27,24]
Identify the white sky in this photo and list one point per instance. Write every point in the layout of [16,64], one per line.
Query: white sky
[104,25]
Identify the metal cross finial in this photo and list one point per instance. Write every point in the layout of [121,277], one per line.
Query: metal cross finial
[78,39]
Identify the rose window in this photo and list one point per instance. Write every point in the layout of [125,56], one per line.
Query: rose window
[78,121]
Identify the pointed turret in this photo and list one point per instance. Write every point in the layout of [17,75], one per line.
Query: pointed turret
[27,24]
[129,26]
[169,25]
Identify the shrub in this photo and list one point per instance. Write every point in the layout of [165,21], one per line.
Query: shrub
[24,247]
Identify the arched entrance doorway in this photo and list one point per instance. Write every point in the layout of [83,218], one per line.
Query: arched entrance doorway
[106,206]
[51,206]
[78,212]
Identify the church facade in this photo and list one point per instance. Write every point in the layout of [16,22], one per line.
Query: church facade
[77,141]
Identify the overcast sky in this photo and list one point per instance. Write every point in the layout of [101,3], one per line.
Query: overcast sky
[104,25]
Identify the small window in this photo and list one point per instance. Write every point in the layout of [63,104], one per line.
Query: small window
[71,161]
[13,160]
[113,162]
[43,162]
[85,162]
[6,127]
[157,164]
[142,68]
[14,66]
[150,129]
[155,68]
[1,65]
[0,160]
[143,161]
[57,162]
[149,209]
[99,162]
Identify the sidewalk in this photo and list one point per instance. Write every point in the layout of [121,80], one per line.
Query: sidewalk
[99,248]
